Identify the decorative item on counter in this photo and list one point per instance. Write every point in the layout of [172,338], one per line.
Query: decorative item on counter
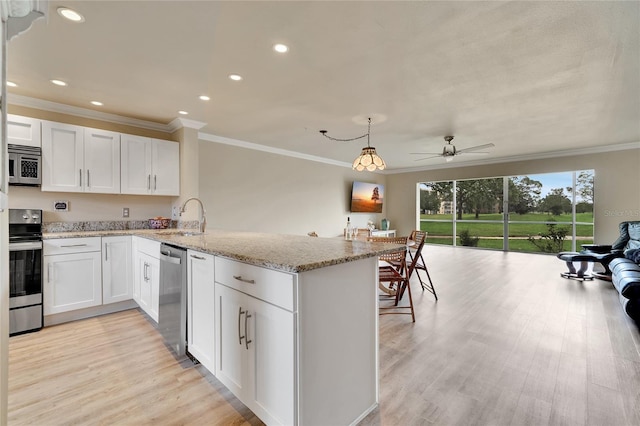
[159,222]
[371,225]
[348,231]
[384,225]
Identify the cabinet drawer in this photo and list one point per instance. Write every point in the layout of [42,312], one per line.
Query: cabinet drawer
[266,284]
[71,245]
[150,247]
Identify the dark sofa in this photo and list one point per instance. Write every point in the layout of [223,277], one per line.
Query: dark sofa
[621,262]
[625,269]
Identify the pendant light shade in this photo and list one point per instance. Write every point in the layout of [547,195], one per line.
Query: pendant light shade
[369,160]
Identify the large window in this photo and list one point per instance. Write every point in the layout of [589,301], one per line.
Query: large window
[535,213]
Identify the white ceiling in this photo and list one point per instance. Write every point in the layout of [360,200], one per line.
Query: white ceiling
[531,77]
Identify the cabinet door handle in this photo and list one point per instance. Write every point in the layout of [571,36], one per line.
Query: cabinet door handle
[244,280]
[197,257]
[149,182]
[80,177]
[246,332]
[106,252]
[240,313]
[144,272]
[155,182]
[88,179]
[73,245]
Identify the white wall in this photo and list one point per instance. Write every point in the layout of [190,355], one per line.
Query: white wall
[248,190]
[616,192]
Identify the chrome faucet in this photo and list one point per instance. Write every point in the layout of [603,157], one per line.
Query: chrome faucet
[203,218]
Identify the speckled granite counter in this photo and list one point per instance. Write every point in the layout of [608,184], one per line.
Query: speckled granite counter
[289,253]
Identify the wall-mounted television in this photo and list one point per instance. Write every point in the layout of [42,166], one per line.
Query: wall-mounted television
[367,197]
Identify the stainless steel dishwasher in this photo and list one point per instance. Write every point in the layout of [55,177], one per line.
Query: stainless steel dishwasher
[172,310]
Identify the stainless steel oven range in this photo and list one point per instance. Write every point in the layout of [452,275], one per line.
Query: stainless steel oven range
[25,271]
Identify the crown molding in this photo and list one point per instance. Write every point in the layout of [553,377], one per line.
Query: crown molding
[526,157]
[257,147]
[26,101]
[180,122]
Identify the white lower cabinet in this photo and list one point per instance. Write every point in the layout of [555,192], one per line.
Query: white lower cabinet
[147,275]
[117,273]
[201,308]
[255,344]
[72,274]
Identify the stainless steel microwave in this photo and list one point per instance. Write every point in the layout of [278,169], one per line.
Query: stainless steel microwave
[25,165]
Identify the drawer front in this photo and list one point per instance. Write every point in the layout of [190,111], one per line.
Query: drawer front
[150,247]
[71,245]
[266,284]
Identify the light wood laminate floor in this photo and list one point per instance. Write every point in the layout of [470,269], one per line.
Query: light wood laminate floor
[508,343]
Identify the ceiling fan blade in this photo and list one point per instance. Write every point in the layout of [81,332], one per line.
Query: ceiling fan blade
[472,153]
[426,153]
[475,148]
[427,158]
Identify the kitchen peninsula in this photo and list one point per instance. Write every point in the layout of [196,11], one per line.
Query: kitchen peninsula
[296,319]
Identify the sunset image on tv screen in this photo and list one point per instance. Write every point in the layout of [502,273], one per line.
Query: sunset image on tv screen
[367,197]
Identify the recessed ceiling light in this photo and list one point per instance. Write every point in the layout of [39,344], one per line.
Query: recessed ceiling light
[183,112]
[235,77]
[204,98]
[97,103]
[58,82]
[281,48]
[11,84]
[70,14]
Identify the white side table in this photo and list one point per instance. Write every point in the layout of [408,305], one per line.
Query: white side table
[381,233]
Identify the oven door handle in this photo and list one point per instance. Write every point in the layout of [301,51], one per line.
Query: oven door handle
[27,245]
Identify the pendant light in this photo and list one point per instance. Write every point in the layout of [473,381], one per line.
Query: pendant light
[368,159]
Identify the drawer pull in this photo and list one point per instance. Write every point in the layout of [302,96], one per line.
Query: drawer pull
[74,245]
[244,280]
[197,257]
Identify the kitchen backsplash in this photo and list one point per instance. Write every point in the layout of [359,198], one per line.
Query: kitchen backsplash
[109,225]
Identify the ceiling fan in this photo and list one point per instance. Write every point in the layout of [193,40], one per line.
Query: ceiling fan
[449,150]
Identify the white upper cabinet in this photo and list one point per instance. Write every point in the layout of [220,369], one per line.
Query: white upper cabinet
[23,131]
[79,159]
[102,161]
[150,166]
[165,167]
[135,164]
[62,157]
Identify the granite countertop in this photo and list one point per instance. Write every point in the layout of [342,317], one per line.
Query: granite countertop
[288,253]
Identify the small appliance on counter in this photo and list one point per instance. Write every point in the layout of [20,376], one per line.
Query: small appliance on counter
[159,222]
[25,271]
